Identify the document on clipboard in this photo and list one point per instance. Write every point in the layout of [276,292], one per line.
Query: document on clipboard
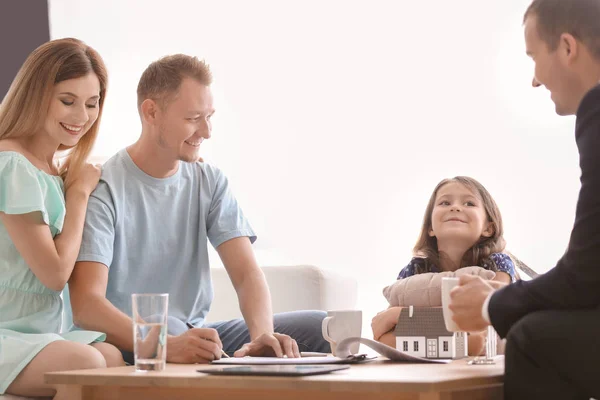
[351,359]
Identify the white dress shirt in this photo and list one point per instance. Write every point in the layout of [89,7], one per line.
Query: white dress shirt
[485,312]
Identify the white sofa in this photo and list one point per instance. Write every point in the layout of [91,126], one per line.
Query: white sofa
[299,287]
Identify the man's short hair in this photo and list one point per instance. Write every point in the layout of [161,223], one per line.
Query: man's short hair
[580,18]
[162,79]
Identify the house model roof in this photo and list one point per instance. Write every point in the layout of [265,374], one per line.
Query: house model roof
[424,321]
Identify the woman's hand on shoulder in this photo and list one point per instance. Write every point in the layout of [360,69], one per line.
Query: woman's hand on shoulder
[87,179]
[385,321]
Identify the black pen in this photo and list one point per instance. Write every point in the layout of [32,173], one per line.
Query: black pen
[192,327]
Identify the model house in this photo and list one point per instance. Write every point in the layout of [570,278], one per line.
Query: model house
[421,332]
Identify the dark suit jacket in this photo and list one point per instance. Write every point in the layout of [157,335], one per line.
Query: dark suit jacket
[574,283]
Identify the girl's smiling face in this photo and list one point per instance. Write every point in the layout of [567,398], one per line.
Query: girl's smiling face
[459,215]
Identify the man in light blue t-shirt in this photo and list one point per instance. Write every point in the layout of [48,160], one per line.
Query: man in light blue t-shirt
[147,228]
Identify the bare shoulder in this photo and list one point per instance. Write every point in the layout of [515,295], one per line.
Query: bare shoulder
[17,147]
[11,145]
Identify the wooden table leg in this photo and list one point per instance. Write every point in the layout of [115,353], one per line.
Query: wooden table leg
[71,392]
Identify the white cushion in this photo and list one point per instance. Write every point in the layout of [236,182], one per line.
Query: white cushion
[300,287]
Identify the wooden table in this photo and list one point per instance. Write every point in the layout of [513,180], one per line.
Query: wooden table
[375,380]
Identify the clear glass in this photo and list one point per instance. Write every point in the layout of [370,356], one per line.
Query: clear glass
[491,342]
[150,313]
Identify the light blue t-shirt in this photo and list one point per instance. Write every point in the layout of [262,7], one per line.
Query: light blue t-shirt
[153,233]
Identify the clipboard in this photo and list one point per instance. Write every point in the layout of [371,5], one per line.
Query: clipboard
[351,359]
[275,370]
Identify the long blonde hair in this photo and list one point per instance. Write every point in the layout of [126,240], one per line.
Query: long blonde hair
[25,106]
[427,247]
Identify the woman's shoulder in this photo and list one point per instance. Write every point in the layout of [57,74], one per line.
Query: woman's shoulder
[12,161]
[26,189]
[10,145]
[24,185]
[11,150]
[16,167]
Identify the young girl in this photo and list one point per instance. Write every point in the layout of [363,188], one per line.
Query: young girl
[54,103]
[462,227]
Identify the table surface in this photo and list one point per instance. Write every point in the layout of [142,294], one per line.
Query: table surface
[375,376]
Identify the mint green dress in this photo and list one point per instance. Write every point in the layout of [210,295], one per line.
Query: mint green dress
[30,313]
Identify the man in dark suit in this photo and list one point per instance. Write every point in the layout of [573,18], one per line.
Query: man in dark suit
[552,323]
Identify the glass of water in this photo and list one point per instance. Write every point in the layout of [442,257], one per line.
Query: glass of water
[150,331]
[491,343]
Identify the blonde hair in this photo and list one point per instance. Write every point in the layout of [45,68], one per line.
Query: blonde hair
[426,246]
[162,79]
[25,106]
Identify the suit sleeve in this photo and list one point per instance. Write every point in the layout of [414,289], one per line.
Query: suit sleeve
[574,283]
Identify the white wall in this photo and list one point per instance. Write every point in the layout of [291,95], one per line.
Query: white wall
[335,119]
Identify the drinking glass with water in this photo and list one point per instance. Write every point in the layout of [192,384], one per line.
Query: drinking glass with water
[491,343]
[150,331]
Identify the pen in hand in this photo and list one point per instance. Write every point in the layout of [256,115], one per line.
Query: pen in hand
[222,352]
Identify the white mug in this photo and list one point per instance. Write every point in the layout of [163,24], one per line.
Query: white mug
[339,325]
[447,285]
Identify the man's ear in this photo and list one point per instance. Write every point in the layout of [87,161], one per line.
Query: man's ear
[568,46]
[149,109]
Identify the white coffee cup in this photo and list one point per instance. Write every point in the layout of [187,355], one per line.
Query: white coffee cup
[447,285]
[342,324]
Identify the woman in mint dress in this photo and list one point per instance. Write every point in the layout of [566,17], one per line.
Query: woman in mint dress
[54,103]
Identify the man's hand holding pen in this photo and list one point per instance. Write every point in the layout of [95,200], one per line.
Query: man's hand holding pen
[197,345]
